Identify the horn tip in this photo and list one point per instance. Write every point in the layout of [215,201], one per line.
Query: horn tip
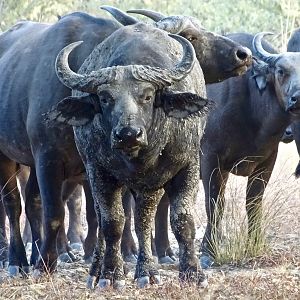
[107,7]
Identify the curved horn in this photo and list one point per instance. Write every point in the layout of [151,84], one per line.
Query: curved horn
[63,71]
[185,66]
[85,83]
[174,24]
[260,51]
[120,16]
[155,16]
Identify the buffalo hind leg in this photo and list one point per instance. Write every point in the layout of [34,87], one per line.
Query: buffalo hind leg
[163,249]
[12,203]
[182,192]
[214,180]
[63,248]
[50,175]
[33,208]
[255,189]
[128,247]
[75,230]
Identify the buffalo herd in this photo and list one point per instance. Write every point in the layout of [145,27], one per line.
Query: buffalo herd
[136,113]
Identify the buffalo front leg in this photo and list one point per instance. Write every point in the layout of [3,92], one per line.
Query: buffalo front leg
[214,180]
[98,255]
[63,247]
[182,191]
[107,194]
[145,209]
[255,189]
[50,176]
[33,208]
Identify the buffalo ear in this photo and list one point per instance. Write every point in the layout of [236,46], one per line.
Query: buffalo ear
[260,73]
[182,105]
[75,111]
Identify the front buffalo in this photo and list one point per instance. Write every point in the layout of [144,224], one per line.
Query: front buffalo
[138,119]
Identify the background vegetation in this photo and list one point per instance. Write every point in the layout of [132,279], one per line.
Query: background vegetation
[279,16]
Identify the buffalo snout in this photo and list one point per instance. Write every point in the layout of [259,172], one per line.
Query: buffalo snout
[294,103]
[129,137]
[243,54]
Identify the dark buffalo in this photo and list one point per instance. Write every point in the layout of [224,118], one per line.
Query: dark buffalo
[216,65]
[243,133]
[294,46]
[138,115]
[29,87]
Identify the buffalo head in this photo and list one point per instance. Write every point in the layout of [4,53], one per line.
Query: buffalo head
[219,57]
[125,96]
[281,71]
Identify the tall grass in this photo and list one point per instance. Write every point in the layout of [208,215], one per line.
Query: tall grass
[231,242]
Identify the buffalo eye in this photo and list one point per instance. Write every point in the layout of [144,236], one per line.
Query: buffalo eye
[191,38]
[280,72]
[105,98]
[147,95]
[148,98]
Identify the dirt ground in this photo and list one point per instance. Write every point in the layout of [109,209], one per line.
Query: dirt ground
[274,274]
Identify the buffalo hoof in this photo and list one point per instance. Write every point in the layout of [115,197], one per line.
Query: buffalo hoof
[64,257]
[77,247]
[119,285]
[37,274]
[104,284]
[25,270]
[67,257]
[156,279]
[203,284]
[91,282]
[167,260]
[132,258]
[13,271]
[206,261]
[143,282]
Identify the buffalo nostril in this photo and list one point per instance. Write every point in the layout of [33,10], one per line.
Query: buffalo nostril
[242,54]
[294,99]
[139,133]
[288,132]
[118,135]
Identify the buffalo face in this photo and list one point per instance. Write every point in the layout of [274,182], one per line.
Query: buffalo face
[126,97]
[127,116]
[219,57]
[287,82]
[283,71]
